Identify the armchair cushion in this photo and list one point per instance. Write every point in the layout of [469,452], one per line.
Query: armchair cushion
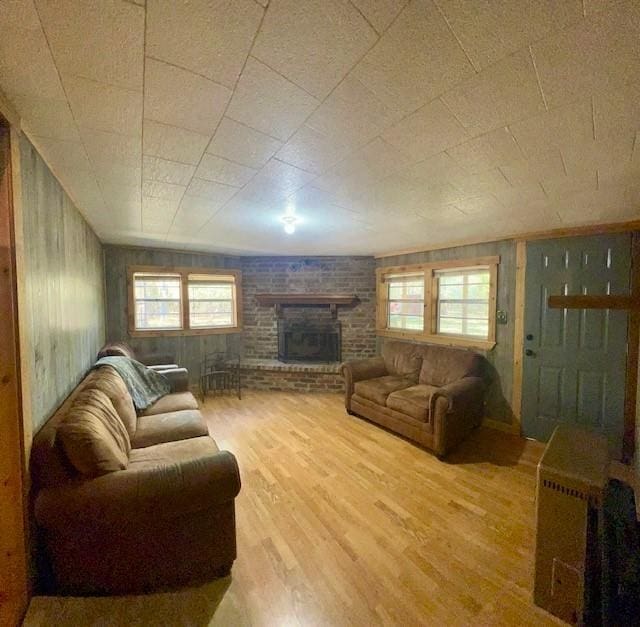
[107,380]
[413,401]
[170,403]
[378,389]
[402,359]
[177,425]
[93,436]
[443,365]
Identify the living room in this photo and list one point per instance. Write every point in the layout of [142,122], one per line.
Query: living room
[319,312]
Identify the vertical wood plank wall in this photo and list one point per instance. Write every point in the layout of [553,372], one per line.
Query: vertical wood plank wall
[189,350]
[499,399]
[64,281]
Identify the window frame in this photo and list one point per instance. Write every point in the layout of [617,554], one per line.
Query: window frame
[183,273]
[429,333]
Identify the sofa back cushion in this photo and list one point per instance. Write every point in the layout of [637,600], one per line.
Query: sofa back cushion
[107,380]
[93,436]
[442,365]
[401,359]
[117,349]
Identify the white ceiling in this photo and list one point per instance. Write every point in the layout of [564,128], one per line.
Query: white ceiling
[386,124]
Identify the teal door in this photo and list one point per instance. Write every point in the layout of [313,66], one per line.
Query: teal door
[574,359]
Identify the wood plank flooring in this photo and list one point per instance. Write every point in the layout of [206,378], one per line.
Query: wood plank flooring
[342,523]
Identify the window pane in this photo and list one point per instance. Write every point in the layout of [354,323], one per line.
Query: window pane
[463,303]
[157,301]
[406,302]
[211,301]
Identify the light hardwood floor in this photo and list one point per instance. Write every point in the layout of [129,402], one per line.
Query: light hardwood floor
[342,523]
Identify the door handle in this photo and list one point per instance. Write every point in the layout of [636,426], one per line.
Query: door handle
[529,352]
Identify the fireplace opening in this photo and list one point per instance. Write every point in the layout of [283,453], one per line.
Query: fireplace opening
[305,341]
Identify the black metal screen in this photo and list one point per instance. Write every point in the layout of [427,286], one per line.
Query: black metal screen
[308,342]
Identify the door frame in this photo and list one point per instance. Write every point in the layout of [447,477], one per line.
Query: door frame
[14,569]
[633,338]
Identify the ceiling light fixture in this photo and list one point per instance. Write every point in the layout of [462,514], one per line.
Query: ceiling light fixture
[289,221]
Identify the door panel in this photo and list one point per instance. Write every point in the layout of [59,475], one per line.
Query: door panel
[574,363]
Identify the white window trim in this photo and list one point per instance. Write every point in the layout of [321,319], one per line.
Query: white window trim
[429,333]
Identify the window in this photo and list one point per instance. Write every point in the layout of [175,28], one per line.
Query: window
[183,301]
[450,302]
[406,301]
[158,301]
[463,302]
[211,301]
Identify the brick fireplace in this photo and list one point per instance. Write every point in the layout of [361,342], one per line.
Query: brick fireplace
[349,279]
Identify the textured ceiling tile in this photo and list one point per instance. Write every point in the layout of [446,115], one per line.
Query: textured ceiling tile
[505,92]
[380,13]
[486,151]
[558,129]
[239,143]
[269,103]
[26,65]
[382,158]
[310,150]
[416,60]
[121,195]
[98,39]
[173,142]
[208,37]
[426,132]
[488,31]
[352,114]
[480,205]
[46,118]
[117,173]
[313,43]
[283,176]
[525,171]
[112,148]
[599,54]
[489,182]
[221,170]
[617,113]
[180,98]
[64,157]
[522,197]
[156,169]
[160,208]
[216,193]
[439,167]
[104,107]
[166,191]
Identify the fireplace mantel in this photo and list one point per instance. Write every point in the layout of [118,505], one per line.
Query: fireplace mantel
[308,298]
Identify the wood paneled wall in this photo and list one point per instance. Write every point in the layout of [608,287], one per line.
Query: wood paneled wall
[189,350]
[64,287]
[501,357]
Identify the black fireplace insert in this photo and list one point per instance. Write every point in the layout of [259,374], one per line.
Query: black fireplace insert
[304,341]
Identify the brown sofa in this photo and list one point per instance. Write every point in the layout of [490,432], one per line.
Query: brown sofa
[157,361]
[433,395]
[128,503]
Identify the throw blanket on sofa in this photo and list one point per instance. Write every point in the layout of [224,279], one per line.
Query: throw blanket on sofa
[145,385]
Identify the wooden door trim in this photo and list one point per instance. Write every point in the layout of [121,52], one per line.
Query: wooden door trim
[518,335]
[14,579]
[633,348]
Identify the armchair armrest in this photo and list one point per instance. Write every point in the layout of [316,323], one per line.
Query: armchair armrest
[178,379]
[127,496]
[456,409]
[359,370]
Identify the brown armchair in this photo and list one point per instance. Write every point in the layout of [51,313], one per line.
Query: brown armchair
[433,395]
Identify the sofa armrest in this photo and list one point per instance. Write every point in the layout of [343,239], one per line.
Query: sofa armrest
[127,496]
[360,370]
[456,409]
[161,367]
[156,359]
[178,379]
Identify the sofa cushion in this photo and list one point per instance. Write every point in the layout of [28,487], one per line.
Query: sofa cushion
[107,380]
[443,365]
[377,390]
[413,401]
[176,425]
[172,452]
[401,359]
[93,436]
[171,402]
